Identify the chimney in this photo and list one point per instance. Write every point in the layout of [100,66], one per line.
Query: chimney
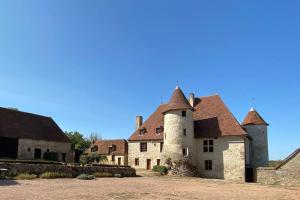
[138,122]
[192,99]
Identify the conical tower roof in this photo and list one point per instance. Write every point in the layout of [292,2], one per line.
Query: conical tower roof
[253,118]
[178,101]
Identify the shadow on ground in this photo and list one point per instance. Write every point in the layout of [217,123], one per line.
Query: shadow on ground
[7,182]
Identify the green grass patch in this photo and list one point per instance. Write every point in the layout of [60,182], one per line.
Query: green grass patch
[26,176]
[50,175]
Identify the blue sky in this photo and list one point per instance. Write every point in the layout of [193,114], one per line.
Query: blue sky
[94,65]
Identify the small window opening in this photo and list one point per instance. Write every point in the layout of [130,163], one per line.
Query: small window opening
[183,113]
[208,165]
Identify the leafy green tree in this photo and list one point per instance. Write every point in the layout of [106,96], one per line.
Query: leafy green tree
[78,142]
[91,158]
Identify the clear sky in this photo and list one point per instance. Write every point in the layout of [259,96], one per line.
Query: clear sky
[94,65]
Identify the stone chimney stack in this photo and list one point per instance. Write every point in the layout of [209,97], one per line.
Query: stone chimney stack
[138,122]
[192,99]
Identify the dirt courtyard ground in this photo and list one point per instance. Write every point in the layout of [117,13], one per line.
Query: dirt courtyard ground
[140,188]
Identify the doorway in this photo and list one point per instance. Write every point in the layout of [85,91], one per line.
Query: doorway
[37,153]
[9,147]
[249,174]
[119,161]
[148,164]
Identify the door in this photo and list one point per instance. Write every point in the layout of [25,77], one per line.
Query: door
[148,164]
[249,174]
[37,153]
[119,161]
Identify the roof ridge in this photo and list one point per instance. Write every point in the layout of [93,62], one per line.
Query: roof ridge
[23,112]
[212,95]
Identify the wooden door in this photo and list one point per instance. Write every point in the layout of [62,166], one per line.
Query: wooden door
[148,164]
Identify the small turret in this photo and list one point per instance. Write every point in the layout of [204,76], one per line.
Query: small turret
[178,128]
[257,129]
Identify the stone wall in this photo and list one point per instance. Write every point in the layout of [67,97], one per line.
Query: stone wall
[175,140]
[153,153]
[228,158]
[17,168]
[259,153]
[287,174]
[26,149]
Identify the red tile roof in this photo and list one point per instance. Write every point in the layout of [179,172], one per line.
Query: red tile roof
[287,159]
[178,101]
[17,124]
[253,118]
[211,119]
[103,147]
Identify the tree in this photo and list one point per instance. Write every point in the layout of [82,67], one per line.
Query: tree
[95,136]
[91,158]
[78,142]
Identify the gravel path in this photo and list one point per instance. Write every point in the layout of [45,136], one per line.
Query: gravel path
[140,188]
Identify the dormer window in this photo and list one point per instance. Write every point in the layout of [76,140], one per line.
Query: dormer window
[94,148]
[159,130]
[183,113]
[142,131]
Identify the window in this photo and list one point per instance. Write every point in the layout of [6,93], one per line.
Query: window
[113,147]
[165,136]
[159,130]
[161,146]
[143,146]
[94,148]
[158,162]
[185,152]
[208,146]
[142,131]
[48,150]
[208,165]
[184,132]
[63,157]
[28,149]
[113,158]
[183,113]
[136,162]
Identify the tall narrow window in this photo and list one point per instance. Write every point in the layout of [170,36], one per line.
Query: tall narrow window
[184,132]
[185,152]
[161,146]
[136,162]
[208,165]
[143,146]
[113,158]
[158,162]
[183,113]
[208,146]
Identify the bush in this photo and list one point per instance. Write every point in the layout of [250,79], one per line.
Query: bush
[49,175]
[51,156]
[26,176]
[103,174]
[86,177]
[161,169]
[92,157]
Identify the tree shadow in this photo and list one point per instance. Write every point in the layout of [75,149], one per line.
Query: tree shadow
[8,182]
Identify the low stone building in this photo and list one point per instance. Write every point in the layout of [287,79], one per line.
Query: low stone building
[204,132]
[116,151]
[29,136]
[286,173]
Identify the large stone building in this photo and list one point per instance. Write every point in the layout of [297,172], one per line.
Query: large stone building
[116,151]
[29,136]
[204,132]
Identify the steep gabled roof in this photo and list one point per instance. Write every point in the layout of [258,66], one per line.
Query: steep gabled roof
[17,124]
[253,118]
[154,121]
[178,101]
[212,118]
[103,147]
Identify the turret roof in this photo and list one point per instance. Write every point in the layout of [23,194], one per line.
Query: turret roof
[178,101]
[253,118]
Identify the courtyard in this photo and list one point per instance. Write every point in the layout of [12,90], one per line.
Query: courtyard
[171,188]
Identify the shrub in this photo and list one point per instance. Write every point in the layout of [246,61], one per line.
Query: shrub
[103,174]
[92,157]
[26,176]
[50,175]
[161,169]
[86,177]
[51,156]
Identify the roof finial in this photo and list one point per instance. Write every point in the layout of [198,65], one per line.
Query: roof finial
[177,85]
[252,104]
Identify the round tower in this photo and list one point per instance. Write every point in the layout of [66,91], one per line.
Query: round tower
[178,128]
[257,129]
